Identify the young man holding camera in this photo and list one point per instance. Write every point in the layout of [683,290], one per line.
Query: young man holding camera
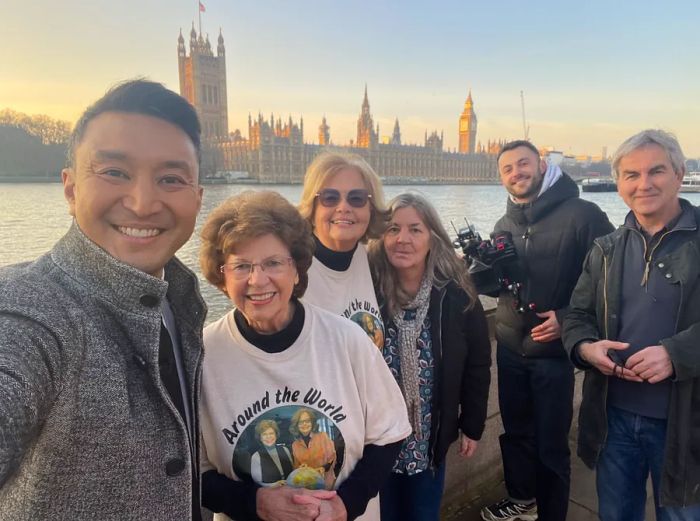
[552,230]
[634,325]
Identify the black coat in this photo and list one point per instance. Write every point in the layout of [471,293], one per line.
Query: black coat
[462,357]
[594,315]
[552,236]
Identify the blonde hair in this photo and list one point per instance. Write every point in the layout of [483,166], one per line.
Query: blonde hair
[442,260]
[325,166]
[263,425]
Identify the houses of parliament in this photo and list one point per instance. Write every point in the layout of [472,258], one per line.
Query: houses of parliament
[275,150]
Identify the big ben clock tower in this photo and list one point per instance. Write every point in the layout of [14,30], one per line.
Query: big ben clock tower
[467,127]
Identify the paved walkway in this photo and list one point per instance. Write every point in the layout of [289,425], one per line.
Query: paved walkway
[583,504]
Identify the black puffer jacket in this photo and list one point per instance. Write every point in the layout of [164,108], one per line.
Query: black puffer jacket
[462,354]
[552,236]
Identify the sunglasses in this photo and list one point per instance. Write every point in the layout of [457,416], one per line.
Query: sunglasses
[330,197]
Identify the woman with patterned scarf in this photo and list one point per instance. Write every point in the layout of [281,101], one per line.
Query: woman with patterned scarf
[437,347]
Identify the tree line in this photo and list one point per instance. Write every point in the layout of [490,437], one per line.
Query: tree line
[49,130]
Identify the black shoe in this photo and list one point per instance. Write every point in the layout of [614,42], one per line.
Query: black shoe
[507,510]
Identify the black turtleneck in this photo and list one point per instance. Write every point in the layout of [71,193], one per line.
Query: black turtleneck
[335,260]
[276,342]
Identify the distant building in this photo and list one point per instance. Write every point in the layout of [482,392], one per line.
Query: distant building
[275,152]
[554,157]
[467,127]
[203,82]
[492,147]
[324,133]
[396,136]
[366,135]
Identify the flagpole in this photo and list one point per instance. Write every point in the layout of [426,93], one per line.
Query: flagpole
[199,11]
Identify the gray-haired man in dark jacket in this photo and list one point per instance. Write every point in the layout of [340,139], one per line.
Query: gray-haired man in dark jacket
[634,324]
[100,339]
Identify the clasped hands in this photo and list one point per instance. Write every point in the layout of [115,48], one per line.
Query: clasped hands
[297,504]
[651,364]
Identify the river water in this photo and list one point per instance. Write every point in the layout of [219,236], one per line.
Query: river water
[34,216]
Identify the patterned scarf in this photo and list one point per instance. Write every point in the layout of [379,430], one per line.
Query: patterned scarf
[408,333]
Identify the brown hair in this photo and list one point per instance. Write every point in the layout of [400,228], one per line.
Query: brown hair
[294,427]
[442,261]
[249,215]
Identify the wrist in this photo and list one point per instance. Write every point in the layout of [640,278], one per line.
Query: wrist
[581,349]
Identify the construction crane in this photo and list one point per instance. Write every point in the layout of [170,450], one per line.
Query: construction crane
[526,127]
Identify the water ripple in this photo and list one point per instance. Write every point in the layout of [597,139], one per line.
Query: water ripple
[35,216]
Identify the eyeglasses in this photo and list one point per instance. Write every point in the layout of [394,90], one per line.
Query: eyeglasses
[330,197]
[243,270]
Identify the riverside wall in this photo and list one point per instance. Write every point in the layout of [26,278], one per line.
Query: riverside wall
[467,480]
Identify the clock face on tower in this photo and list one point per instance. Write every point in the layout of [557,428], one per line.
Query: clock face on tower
[463,125]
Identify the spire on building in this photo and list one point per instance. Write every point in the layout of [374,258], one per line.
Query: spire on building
[193,40]
[469,102]
[203,82]
[467,127]
[396,135]
[220,49]
[366,135]
[181,51]
[324,134]
[433,141]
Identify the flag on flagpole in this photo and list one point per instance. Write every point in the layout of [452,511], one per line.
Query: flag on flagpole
[202,9]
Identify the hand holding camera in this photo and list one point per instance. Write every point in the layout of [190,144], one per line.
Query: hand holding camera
[493,264]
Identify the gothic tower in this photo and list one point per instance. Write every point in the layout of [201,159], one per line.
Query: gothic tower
[396,136]
[324,134]
[467,127]
[366,135]
[203,82]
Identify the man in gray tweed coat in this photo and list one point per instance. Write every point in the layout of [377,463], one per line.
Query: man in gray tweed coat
[100,338]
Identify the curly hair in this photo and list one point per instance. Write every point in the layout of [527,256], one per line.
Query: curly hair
[324,167]
[294,427]
[250,215]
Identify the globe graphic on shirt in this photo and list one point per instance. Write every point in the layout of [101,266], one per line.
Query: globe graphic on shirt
[306,477]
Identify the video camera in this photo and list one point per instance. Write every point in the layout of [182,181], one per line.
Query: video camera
[493,264]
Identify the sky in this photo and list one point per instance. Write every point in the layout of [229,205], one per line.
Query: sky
[592,72]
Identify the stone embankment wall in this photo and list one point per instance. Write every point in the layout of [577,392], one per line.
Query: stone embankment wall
[467,480]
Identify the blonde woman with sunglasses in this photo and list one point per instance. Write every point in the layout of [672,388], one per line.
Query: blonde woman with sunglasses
[343,201]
